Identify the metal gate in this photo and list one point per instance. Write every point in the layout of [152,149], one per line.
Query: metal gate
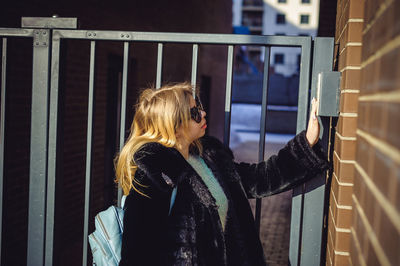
[307,244]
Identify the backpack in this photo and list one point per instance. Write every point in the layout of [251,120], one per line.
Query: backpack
[105,242]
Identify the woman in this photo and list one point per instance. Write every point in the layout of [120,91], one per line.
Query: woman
[210,222]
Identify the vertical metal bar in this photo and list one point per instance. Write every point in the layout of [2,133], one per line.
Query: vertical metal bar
[89,150]
[159,65]
[2,127]
[304,85]
[263,122]
[123,106]
[51,167]
[194,67]
[314,195]
[228,95]
[38,153]
[297,198]
[296,225]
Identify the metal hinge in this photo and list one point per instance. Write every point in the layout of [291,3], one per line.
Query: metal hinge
[41,37]
[328,93]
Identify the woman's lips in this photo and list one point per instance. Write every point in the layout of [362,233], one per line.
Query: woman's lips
[204,126]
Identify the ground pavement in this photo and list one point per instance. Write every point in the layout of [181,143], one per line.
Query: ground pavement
[276,210]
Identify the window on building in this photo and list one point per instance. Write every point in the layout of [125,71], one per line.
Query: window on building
[304,19]
[279,58]
[252,19]
[281,1]
[305,1]
[253,2]
[280,19]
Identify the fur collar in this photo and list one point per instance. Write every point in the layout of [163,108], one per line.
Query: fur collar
[155,159]
[166,167]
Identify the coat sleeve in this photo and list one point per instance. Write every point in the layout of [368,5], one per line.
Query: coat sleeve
[293,165]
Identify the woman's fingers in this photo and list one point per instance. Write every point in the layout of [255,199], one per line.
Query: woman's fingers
[314,108]
[313,124]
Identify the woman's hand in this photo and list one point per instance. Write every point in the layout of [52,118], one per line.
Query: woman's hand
[312,134]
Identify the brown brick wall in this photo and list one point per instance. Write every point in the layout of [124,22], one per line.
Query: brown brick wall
[348,41]
[364,223]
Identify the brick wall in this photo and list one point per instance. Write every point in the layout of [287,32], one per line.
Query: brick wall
[348,61]
[364,221]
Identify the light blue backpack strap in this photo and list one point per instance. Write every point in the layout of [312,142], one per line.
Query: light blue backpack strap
[173,196]
[123,201]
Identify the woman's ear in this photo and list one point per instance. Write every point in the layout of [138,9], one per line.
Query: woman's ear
[178,133]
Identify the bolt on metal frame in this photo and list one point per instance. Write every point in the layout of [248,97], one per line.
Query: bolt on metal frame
[46,58]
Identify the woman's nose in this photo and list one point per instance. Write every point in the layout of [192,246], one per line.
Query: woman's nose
[203,113]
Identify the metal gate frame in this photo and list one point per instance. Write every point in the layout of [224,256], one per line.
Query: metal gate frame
[308,208]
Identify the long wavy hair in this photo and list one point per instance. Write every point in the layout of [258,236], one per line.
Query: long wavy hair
[158,115]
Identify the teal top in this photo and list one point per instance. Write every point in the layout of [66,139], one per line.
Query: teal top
[213,186]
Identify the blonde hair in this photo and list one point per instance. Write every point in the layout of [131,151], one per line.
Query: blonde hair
[159,113]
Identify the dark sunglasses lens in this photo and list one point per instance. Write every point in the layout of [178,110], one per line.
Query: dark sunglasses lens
[198,103]
[195,114]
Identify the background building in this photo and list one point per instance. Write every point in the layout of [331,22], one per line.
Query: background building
[277,17]
[289,17]
[271,17]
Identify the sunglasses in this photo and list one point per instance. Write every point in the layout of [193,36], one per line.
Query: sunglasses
[195,112]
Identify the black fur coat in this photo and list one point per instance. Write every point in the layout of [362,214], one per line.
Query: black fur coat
[192,234]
